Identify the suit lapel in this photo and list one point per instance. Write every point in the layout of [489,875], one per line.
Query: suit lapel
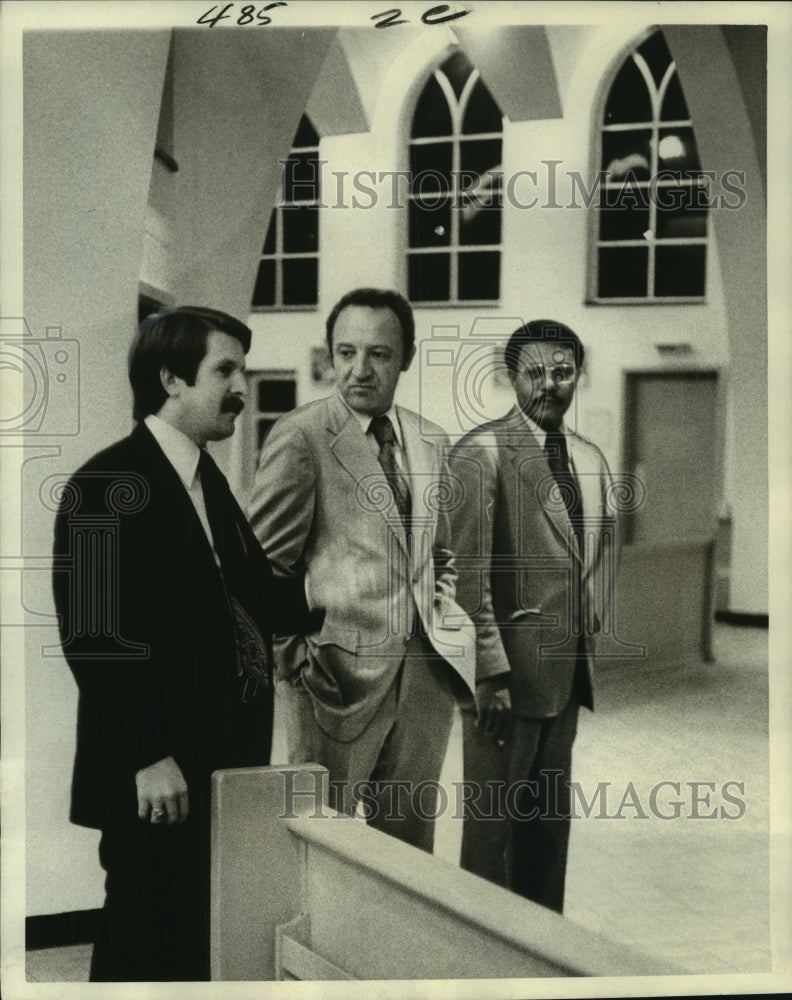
[353,452]
[586,465]
[167,488]
[530,462]
[420,465]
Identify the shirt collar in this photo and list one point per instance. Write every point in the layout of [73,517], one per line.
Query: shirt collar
[181,451]
[539,433]
[364,419]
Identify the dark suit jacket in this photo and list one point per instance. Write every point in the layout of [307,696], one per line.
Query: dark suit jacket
[518,562]
[147,633]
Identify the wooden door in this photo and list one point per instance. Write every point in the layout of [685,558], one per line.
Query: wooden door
[672,446]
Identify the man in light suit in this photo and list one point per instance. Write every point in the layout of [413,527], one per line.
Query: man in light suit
[349,494]
[166,606]
[536,545]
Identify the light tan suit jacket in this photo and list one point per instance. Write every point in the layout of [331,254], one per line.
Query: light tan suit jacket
[322,509]
[518,561]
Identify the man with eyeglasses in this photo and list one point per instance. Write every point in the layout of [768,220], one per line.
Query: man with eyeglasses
[535,544]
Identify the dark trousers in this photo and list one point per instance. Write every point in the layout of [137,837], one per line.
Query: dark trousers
[155,920]
[516,830]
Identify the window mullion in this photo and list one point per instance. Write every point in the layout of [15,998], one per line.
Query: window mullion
[456,166]
[671,275]
[446,259]
[273,290]
[279,257]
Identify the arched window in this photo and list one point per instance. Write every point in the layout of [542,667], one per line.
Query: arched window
[652,209]
[288,274]
[454,237]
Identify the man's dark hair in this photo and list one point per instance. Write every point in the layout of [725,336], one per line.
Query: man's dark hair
[377,298]
[548,331]
[174,339]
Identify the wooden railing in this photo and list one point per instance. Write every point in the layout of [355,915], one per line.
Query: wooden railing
[302,892]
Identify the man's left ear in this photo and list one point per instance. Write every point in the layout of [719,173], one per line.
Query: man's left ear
[171,383]
[408,361]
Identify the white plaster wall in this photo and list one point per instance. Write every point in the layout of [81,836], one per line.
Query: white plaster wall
[545,250]
[87,166]
[727,141]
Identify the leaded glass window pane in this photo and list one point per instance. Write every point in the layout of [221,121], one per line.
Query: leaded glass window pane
[652,226]
[455,207]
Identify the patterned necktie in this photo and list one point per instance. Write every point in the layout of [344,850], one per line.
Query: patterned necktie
[566,480]
[382,429]
[229,544]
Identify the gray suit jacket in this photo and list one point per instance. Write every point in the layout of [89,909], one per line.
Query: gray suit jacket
[322,509]
[516,553]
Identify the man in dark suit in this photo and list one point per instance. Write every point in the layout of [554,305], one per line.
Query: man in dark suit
[536,542]
[166,604]
[349,495]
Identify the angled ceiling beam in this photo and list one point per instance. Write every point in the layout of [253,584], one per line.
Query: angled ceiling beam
[336,105]
[517,66]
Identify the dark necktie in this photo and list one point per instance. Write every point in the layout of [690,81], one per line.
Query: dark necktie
[222,514]
[566,480]
[382,429]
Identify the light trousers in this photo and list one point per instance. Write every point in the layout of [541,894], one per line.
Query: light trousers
[392,768]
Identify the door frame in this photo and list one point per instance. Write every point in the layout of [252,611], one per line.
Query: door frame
[690,372]
[646,560]
[246,436]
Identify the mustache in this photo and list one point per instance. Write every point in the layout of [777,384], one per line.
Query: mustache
[540,401]
[232,405]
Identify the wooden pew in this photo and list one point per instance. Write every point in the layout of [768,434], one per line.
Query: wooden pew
[302,892]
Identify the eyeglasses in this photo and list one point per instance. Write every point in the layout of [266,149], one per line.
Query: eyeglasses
[559,374]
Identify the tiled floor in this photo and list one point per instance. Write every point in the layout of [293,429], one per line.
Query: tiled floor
[693,890]
[59,965]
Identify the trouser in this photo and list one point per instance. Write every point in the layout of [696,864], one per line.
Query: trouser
[516,831]
[155,921]
[393,766]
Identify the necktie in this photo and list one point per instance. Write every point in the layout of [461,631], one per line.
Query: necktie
[558,460]
[222,514]
[382,429]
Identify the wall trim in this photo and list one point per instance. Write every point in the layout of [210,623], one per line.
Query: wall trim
[60,930]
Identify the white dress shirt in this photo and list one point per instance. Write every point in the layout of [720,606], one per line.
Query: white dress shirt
[183,455]
[541,437]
